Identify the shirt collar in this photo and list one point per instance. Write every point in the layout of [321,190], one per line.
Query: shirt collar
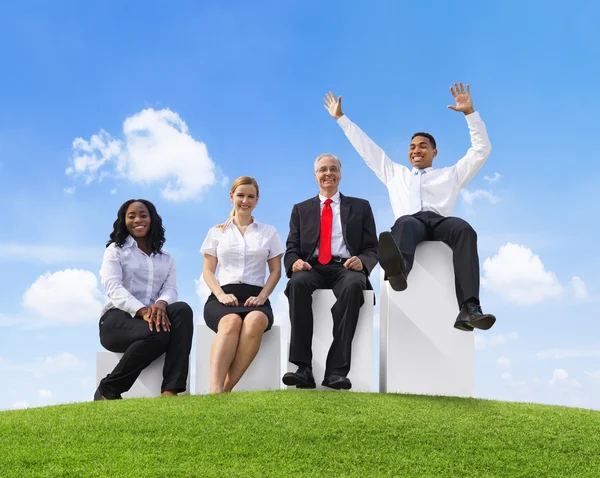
[425,170]
[130,242]
[335,198]
[231,224]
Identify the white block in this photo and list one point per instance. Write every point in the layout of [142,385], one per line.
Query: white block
[361,369]
[264,372]
[148,383]
[420,350]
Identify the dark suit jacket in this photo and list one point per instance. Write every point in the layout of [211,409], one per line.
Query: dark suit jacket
[358,229]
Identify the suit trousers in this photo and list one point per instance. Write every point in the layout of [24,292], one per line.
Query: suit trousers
[348,286]
[121,333]
[408,231]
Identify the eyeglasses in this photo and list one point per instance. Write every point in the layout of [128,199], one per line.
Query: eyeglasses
[331,169]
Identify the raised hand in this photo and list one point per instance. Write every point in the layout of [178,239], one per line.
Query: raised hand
[333,106]
[464,103]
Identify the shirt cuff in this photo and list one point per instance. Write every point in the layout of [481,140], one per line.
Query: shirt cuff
[343,121]
[472,118]
[132,306]
[168,297]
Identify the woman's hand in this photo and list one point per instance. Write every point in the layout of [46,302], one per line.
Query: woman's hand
[228,299]
[156,316]
[255,301]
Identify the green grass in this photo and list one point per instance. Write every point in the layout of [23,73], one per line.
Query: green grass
[301,433]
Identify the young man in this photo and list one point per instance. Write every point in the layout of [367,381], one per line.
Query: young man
[422,200]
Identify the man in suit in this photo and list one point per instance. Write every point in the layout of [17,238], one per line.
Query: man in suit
[332,244]
[423,199]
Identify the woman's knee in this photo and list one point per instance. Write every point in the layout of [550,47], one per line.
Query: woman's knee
[230,325]
[256,323]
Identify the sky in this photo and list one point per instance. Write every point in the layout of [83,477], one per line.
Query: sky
[105,102]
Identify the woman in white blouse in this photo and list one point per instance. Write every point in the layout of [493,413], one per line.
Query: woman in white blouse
[142,318]
[238,309]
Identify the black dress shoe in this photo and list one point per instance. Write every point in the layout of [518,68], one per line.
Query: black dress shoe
[301,378]
[99,396]
[392,262]
[337,381]
[471,315]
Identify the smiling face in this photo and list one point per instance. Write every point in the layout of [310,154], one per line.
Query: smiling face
[244,199]
[421,152]
[137,220]
[328,174]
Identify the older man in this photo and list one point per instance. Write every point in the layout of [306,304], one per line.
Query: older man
[423,199]
[332,244]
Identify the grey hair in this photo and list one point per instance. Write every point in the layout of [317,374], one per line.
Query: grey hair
[327,155]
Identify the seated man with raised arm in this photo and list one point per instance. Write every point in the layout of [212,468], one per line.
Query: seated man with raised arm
[422,200]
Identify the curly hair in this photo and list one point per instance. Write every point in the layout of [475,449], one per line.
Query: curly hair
[156,236]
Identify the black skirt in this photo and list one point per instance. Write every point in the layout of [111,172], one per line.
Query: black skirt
[214,311]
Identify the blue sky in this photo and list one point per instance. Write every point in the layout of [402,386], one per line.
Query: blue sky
[246,80]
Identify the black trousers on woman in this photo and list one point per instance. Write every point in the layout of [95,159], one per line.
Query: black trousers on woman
[409,231]
[121,333]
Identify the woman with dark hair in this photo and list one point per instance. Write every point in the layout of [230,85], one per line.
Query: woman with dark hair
[238,309]
[142,318]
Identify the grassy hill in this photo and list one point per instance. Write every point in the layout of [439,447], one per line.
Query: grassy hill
[301,433]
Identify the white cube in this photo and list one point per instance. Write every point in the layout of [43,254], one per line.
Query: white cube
[148,383]
[420,350]
[264,372]
[361,369]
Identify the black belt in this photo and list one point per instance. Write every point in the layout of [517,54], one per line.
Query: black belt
[337,259]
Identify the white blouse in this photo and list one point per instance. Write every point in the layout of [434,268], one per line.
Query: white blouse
[133,279]
[242,259]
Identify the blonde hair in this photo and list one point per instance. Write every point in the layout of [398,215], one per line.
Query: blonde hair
[241,181]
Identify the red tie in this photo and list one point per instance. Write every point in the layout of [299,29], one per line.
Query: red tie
[325,241]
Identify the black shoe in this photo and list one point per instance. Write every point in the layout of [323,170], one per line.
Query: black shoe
[471,315]
[99,396]
[301,378]
[391,261]
[337,381]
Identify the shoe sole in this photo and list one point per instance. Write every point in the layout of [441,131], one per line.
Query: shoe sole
[391,261]
[464,327]
[294,382]
[484,323]
[338,386]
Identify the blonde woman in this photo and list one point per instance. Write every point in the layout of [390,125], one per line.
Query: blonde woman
[238,309]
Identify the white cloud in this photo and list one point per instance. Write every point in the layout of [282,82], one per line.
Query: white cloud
[157,148]
[70,191]
[44,394]
[579,288]
[281,309]
[202,290]
[577,352]
[482,342]
[47,254]
[503,361]
[560,378]
[595,374]
[113,191]
[519,276]
[64,297]
[42,366]
[20,405]
[469,197]
[493,179]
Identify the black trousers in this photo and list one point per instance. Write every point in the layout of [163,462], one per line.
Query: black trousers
[408,231]
[348,286]
[121,333]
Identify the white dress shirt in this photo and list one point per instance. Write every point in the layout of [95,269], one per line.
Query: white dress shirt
[133,279]
[242,259]
[338,246]
[439,187]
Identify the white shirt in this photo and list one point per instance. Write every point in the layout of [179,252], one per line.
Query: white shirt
[439,187]
[133,279]
[242,259]
[338,246]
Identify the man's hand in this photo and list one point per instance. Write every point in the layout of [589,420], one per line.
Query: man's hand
[157,315]
[300,265]
[464,103]
[255,301]
[228,299]
[354,263]
[333,106]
